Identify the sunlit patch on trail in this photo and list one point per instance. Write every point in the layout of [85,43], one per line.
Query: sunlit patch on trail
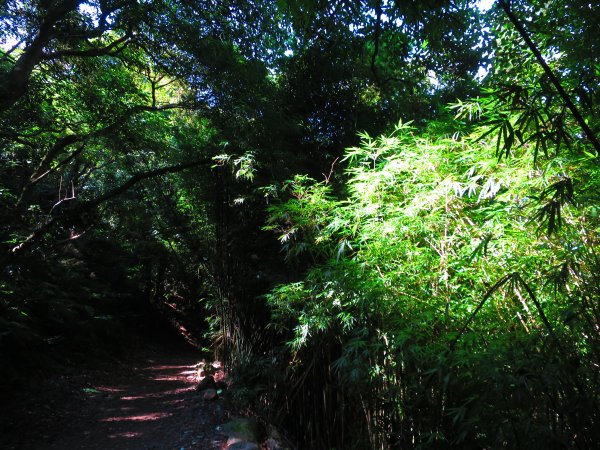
[112,390]
[159,394]
[167,378]
[138,418]
[135,397]
[123,409]
[167,367]
[126,434]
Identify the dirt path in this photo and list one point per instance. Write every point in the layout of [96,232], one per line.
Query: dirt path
[150,404]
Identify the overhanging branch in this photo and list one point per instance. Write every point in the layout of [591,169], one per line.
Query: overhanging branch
[553,78]
[109,49]
[143,176]
[84,206]
[13,85]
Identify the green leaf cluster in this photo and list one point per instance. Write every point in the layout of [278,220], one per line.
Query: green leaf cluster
[441,271]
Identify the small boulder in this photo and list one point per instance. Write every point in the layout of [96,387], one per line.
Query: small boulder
[206,383]
[274,444]
[209,394]
[274,440]
[242,430]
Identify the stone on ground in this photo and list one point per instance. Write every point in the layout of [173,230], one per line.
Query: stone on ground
[242,434]
[209,394]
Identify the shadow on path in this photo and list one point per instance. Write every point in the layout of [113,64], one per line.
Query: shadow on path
[152,405]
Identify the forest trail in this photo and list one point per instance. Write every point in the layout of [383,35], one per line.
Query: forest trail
[150,403]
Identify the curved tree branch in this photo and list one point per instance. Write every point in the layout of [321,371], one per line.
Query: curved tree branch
[143,176]
[109,49]
[13,85]
[79,209]
[44,166]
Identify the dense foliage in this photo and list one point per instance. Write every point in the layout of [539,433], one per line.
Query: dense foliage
[442,306]
[383,215]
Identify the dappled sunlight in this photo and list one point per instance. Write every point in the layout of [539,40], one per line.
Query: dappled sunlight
[150,403]
[152,398]
[108,389]
[167,378]
[136,397]
[156,368]
[158,394]
[126,434]
[121,410]
[138,418]
[173,373]
[186,373]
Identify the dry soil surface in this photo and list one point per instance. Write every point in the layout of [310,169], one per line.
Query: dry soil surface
[148,403]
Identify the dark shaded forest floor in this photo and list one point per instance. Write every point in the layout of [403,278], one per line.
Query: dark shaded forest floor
[148,402]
